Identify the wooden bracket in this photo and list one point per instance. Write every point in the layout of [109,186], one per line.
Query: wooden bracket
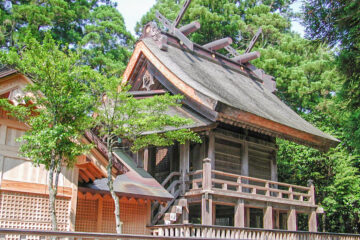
[253,40]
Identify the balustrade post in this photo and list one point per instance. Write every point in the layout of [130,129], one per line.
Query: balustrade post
[291,195]
[239,187]
[311,191]
[267,186]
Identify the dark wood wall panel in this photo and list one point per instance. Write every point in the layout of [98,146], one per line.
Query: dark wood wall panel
[227,156]
[259,162]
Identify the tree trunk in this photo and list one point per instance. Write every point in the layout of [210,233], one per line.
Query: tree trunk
[112,192]
[52,195]
[53,187]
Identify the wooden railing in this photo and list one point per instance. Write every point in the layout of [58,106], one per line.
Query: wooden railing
[171,183]
[222,232]
[249,187]
[25,234]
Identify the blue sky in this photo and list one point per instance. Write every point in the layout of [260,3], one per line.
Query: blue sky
[133,10]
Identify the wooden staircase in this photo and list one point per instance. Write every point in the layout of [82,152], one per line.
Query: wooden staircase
[178,213]
[175,211]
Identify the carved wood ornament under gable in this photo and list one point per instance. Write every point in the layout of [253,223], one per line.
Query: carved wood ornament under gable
[148,81]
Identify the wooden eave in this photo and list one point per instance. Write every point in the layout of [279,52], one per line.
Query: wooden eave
[265,126]
[84,191]
[215,110]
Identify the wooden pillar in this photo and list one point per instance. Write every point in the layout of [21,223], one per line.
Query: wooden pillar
[74,197]
[291,219]
[206,199]
[184,164]
[148,217]
[312,221]
[211,149]
[213,214]
[146,159]
[99,215]
[277,223]
[245,164]
[196,157]
[239,218]
[140,158]
[245,159]
[206,181]
[206,209]
[247,217]
[3,129]
[273,169]
[268,217]
[2,160]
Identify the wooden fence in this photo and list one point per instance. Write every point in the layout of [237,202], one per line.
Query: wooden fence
[222,232]
[25,234]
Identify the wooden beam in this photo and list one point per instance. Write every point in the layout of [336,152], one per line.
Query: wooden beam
[181,13]
[83,176]
[218,44]
[14,124]
[88,174]
[253,40]
[247,57]
[190,28]
[36,188]
[95,171]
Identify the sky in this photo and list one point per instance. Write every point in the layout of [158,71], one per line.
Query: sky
[133,10]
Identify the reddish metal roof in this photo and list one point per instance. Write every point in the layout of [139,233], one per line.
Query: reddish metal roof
[134,183]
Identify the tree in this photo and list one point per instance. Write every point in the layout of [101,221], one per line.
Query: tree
[337,23]
[141,122]
[95,25]
[57,109]
[107,42]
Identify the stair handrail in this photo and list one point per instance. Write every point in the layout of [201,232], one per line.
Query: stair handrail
[169,177]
